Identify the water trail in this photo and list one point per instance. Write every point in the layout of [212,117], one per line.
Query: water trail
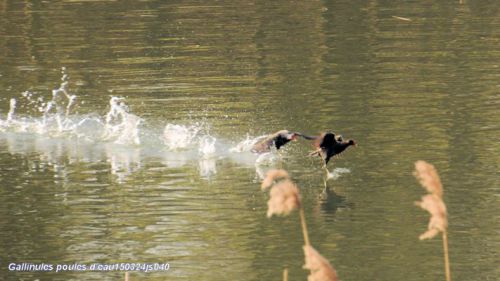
[57,119]
[262,162]
[12,109]
[267,158]
[58,108]
[206,146]
[114,136]
[4,124]
[246,144]
[207,167]
[177,137]
[124,161]
[90,129]
[337,172]
[121,127]
[54,118]
[207,151]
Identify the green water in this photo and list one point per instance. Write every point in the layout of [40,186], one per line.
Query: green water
[424,88]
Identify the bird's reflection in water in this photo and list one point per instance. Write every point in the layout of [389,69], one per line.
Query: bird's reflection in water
[329,201]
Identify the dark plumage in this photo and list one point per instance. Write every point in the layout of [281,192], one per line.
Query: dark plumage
[328,145]
[277,140]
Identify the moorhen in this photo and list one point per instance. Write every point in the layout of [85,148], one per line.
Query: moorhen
[329,145]
[278,139]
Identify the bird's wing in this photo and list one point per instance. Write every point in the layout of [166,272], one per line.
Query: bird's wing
[325,140]
[263,145]
[319,140]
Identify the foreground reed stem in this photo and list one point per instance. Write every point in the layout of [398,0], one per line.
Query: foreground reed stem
[304,226]
[446,256]
[284,198]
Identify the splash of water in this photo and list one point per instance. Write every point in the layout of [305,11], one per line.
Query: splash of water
[337,172]
[55,113]
[57,119]
[12,109]
[124,162]
[207,164]
[267,158]
[246,144]
[177,137]
[207,167]
[206,146]
[121,126]
[58,109]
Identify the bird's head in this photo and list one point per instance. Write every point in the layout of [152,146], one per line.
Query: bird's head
[293,136]
[353,143]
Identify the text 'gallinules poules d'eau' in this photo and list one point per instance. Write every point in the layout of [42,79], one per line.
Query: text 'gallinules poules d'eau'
[277,140]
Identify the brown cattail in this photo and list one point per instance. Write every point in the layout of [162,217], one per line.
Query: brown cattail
[438,221]
[320,268]
[273,175]
[428,177]
[284,198]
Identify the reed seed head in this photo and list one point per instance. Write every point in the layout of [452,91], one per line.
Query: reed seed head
[321,269]
[428,177]
[438,221]
[284,198]
[272,176]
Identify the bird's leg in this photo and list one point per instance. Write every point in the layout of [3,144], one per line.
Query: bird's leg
[326,170]
[315,152]
[325,178]
[280,160]
[324,193]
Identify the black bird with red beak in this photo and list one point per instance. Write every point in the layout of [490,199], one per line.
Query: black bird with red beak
[277,140]
[329,145]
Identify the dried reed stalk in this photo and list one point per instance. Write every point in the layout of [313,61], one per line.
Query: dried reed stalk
[401,18]
[447,269]
[285,274]
[126,276]
[321,269]
[304,227]
[284,198]
[433,203]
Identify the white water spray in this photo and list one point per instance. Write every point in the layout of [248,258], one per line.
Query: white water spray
[179,137]
[337,172]
[207,146]
[121,126]
[12,109]
[246,144]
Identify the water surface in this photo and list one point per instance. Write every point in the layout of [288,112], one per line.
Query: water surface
[91,175]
